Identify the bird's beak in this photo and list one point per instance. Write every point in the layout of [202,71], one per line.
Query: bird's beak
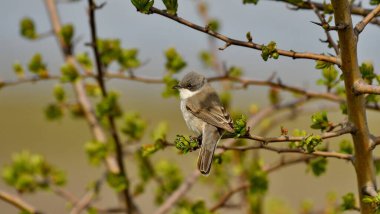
[176,87]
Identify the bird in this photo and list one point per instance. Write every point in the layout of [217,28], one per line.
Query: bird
[204,114]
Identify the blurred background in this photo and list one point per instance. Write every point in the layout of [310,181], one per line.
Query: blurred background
[24,127]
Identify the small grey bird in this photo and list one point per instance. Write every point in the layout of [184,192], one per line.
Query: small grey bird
[203,114]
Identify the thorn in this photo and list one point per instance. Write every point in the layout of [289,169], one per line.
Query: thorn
[317,23]
[97,7]
[225,46]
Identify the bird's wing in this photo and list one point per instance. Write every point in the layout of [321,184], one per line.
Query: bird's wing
[208,107]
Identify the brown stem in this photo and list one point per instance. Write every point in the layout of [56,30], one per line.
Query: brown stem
[292,54]
[356,103]
[176,195]
[367,19]
[129,204]
[329,39]
[18,203]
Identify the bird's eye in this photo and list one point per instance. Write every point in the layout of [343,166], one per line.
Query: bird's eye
[189,86]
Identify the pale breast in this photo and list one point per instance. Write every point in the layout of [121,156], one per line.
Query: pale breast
[195,124]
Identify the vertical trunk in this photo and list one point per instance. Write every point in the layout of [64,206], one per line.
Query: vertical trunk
[356,104]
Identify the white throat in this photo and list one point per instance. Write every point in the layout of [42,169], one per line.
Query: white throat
[185,93]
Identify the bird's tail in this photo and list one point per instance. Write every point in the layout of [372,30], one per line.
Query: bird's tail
[210,139]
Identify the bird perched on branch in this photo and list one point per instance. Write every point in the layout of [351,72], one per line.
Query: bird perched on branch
[204,115]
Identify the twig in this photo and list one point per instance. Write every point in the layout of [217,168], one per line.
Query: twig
[252,45]
[367,19]
[321,17]
[222,202]
[130,205]
[18,203]
[268,169]
[176,195]
[355,10]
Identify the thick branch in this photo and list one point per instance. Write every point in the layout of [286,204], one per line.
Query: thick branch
[361,87]
[235,42]
[367,19]
[18,203]
[355,103]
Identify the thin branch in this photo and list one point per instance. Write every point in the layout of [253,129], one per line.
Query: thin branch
[268,169]
[367,19]
[345,130]
[176,195]
[243,81]
[355,9]
[252,45]
[321,17]
[328,154]
[18,203]
[129,204]
[80,92]
[222,202]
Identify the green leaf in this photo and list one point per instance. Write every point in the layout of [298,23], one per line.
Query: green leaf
[160,132]
[19,70]
[322,64]
[67,34]
[206,58]
[28,28]
[320,121]
[274,96]
[96,152]
[37,66]
[240,126]
[345,146]
[53,112]
[109,50]
[367,72]
[225,99]
[250,1]
[145,170]
[170,82]
[311,142]
[199,207]
[374,2]
[76,110]
[128,59]
[171,6]
[59,93]
[31,172]
[213,25]
[269,51]
[234,71]
[143,6]
[134,126]
[318,166]
[349,202]
[297,133]
[185,144]
[249,36]
[258,179]
[117,181]
[85,61]
[69,73]
[171,178]
[174,61]
[93,90]
[109,106]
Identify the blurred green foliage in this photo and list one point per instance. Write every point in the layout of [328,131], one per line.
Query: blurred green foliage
[31,172]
